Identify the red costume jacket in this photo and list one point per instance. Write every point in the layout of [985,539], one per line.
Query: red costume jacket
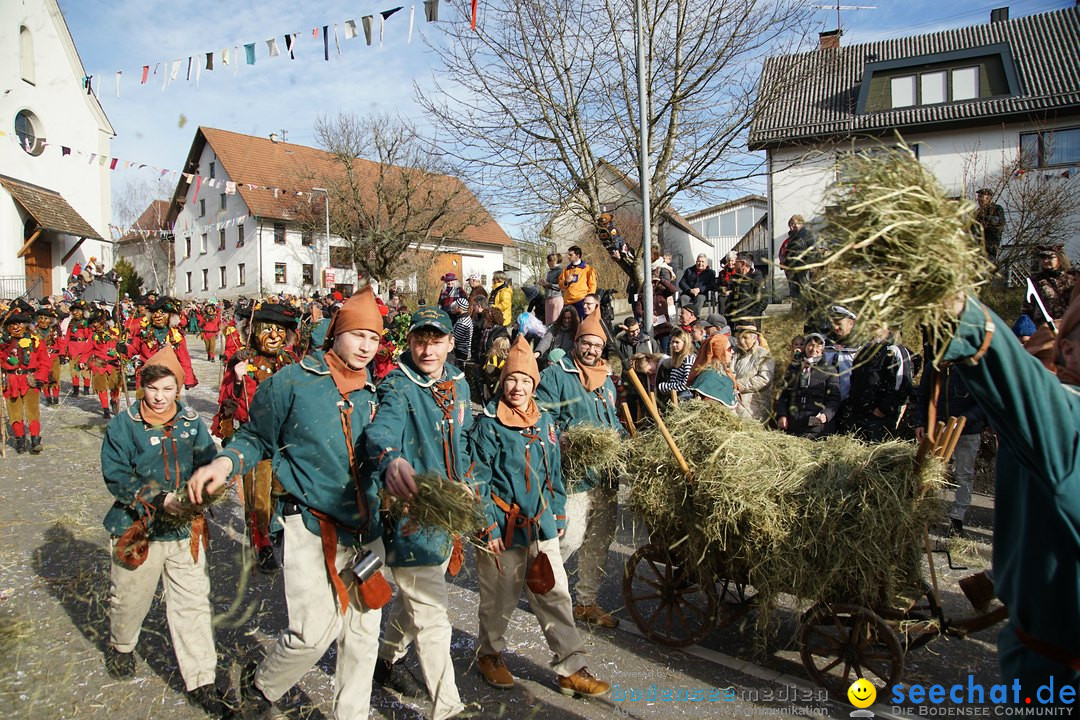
[105,355]
[233,341]
[78,341]
[54,342]
[234,400]
[210,323]
[146,342]
[21,359]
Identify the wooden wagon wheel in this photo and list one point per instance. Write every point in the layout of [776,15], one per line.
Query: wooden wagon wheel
[736,600]
[841,643]
[670,604]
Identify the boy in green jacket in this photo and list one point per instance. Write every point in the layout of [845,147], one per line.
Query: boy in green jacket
[148,452]
[421,427]
[308,418]
[578,389]
[519,466]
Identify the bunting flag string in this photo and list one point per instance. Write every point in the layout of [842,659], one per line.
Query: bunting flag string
[204,60]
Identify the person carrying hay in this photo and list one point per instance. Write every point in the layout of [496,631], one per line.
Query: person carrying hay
[308,417]
[517,461]
[421,428]
[711,377]
[578,390]
[1036,555]
[147,454]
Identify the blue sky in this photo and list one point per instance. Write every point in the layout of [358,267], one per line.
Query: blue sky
[156,127]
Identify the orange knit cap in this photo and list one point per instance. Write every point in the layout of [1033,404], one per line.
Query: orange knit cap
[521,360]
[360,312]
[167,356]
[592,325]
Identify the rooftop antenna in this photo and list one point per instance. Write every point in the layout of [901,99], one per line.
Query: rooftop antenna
[838,7]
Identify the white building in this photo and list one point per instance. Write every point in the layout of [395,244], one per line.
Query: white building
[731,225]
[54,211]
[235,235]
[967,100]
[621,195]
[148,246]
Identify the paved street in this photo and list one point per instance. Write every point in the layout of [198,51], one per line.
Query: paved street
[53,624]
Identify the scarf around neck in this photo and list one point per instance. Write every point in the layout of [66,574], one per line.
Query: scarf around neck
[518,418]
[149,415]
[345,378]
[592,377]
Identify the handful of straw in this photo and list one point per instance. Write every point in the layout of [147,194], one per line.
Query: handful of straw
[834,520]
[897,248]
[439,504]
[189,510]
[587,449]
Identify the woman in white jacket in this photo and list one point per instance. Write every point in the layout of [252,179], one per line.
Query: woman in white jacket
[755,371]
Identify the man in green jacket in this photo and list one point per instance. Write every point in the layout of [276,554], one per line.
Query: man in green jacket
[1036,556]
[421,427]
[578,389]
[308,418]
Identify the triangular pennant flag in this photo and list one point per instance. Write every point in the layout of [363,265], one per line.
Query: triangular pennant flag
[382,21]
[145,73]
[225,56]
[65,150]
[119,74]
[209,61]
[315,33]
[198,72]
[290,42]
[175,70]
[366,20]
[271,45]
[102,160]
[189,68]
[431,10]
[112,164]
[93,156]
[249,53]
[412,15]
[475,7]
[337,43]
[326,43]
[350,29]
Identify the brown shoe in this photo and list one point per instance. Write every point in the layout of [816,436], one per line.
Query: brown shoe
[979,590]
[582,683]
[593,615]
[494,671]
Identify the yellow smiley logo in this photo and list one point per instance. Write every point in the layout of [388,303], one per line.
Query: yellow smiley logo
[862,693]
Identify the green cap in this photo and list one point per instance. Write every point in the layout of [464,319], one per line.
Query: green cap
[432,317]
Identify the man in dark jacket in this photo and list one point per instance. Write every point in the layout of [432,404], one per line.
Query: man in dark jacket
[881,383]
[810,397]
[747,302]
[696,282]
[632,340]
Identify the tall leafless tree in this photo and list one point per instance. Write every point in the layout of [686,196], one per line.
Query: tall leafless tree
[544,90]
[392,197]
[149,248]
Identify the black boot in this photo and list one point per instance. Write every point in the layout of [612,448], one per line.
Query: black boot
[253,703]
[74,391]
[119,665]
[265,561]
[35,445]
[105,413]
[214,702]
[20,445]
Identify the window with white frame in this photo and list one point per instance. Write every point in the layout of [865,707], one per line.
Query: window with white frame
[965,83]
[279,273]
[206,279]
[241,276]
[240,235]
[903,91]
[934,87]
[202,207]
[188,281]
[222,278]
[202,244]
[221,239]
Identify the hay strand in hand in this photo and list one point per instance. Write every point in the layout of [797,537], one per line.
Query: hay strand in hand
[895,248]
[591,450]
[189,510]
[439,504]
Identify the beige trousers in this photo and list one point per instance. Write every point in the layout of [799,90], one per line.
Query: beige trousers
[500,588]
[420,614]
[315,621]
[590,526]
[187,606]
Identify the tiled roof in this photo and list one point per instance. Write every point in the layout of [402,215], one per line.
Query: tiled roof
[49,208]
[250,160]
[815,92]
[153,219]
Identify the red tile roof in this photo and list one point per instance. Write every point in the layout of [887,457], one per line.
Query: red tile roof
[153,220]
[250,160]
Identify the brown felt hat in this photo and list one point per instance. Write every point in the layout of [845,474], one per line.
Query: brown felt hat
[360,312]
[591,325]
[521,360]
[167,356]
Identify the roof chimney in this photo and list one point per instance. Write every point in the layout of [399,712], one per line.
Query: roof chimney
[829,40]
[1000,14]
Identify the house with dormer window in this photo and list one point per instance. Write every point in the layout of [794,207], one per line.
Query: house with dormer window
[978,105]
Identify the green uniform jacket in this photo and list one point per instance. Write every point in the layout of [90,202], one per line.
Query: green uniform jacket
[561,392]
[411,425]
[133,461]
[501,471]
[296,424]
[713,385]
[1037,493]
